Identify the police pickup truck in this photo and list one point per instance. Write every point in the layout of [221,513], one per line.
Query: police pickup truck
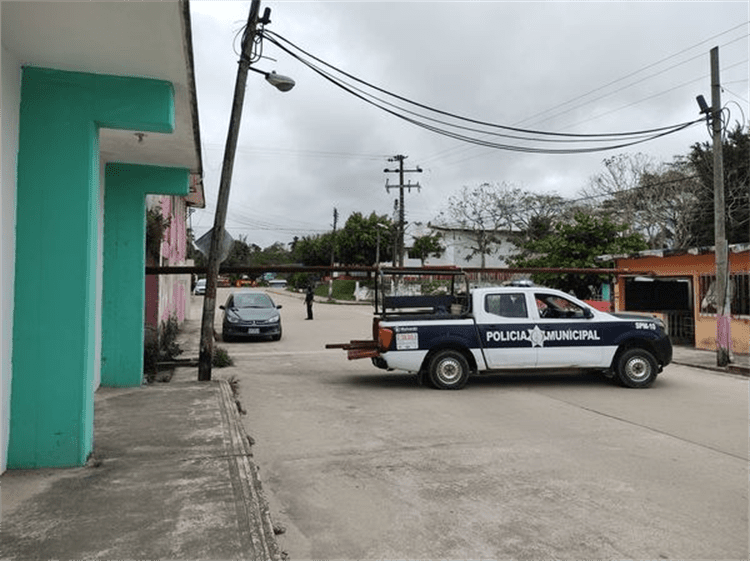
[447,338]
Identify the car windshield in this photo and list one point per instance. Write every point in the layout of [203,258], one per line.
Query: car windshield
[252,301]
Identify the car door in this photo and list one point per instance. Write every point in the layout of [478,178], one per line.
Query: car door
[503,324]
[566,334]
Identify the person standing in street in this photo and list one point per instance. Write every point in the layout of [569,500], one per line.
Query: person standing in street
[309,302]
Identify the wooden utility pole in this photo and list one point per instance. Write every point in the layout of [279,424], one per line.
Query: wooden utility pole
[723,304]
[209,300]
[399,249]
[333,252]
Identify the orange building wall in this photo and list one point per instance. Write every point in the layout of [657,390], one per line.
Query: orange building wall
[693,266]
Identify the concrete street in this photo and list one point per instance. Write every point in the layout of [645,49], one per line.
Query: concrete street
[362,463]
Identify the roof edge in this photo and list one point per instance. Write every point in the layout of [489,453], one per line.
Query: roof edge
[188,47]
[733,248]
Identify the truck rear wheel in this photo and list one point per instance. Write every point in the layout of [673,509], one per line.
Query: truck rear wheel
[636,368]
[449,370]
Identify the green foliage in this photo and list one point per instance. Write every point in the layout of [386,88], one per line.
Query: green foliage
[490,213]
[156,225]
[313,250]
[221,358]
[735,150]
[300,281]
[425,246]
[168,346]
[343,289]
[160,346]
[577,245]
[274,254]
[241,253]
[355,244]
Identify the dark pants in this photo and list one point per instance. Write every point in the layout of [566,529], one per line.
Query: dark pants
[309,310]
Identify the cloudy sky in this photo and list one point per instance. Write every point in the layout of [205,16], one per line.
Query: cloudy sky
[574,67]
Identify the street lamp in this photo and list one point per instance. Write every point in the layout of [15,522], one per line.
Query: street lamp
[278,81]
[283,84]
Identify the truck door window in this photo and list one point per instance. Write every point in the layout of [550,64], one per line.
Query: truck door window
[551,306]
[506,305]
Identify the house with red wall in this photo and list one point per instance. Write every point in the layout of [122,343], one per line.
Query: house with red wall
[680,288]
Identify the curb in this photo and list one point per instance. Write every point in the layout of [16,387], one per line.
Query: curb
[253,512]
[731,369]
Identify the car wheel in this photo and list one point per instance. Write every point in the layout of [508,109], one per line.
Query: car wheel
[449,370]
[636,368]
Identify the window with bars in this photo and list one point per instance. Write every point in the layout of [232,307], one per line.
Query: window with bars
[739,294]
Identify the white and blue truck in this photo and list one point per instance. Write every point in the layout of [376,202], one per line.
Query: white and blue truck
[447,338]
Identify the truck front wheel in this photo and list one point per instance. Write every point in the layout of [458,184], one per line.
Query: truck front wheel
[449,370]
[636,368]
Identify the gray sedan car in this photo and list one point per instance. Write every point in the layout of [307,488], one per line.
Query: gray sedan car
[250,314]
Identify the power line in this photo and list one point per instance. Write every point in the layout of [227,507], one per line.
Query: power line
[624,139]
[642,69]
[456,150]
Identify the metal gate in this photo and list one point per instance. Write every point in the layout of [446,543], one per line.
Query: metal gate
[681,327]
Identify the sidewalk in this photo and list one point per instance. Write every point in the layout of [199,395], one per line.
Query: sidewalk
[690,356]
[171,477]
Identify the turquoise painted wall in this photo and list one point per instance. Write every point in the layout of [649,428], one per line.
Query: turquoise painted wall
[126,187]
[52,394]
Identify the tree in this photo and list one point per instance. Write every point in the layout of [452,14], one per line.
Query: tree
[653,199]
[533,214]
[357,241]
[577,245]
[424,246]
[490,210]
[666,198]
[735,150]
[476,212]
[239,254]
[313,250]
[355,244]
[274,254]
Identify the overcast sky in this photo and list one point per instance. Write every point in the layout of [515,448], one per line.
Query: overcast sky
[580,67]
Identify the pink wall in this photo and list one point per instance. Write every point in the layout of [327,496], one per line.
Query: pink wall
[174,289]
[168,295]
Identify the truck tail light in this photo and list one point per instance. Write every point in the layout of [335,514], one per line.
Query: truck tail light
[385,336]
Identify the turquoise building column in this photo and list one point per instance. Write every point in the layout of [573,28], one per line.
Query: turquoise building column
[124,255]
[54,339]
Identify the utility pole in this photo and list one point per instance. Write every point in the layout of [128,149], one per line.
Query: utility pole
[394,256]
[399,249]
[723,304]
[212,272]
[333,246]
